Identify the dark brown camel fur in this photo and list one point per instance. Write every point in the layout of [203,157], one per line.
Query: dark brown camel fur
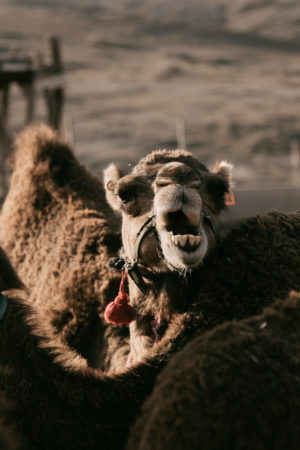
[235,388]
[59,232]
[9,438]
[58,402]
[47,382]
[256,264]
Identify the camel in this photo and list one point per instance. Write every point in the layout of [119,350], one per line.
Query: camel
[236,387]
[59,232]
[170,205]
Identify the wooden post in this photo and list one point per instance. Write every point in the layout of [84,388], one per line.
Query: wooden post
[54,95]
[28,91]
[20,69]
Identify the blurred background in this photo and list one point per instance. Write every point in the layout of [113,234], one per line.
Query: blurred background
[221,78]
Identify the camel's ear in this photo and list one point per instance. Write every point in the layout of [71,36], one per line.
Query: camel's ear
[224,170]
[111,176]
[219,185]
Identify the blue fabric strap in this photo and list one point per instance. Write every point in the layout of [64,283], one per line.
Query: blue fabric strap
[3,306]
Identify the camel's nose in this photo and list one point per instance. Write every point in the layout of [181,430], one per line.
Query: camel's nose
[178,205]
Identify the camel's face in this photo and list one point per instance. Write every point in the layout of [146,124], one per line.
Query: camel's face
[185,201]
[178,207]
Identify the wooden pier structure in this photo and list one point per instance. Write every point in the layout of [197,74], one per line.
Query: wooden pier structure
[30,73]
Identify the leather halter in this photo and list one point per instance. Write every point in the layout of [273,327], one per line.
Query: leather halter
[131,267]
[209,222]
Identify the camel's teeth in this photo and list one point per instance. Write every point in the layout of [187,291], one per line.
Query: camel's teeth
[194,240]
[180,239]
[183,239]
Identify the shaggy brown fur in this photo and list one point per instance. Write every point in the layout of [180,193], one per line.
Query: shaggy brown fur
[59,232]
[235,388]
[9,439]
[58,401]
[59,235]
[257,263]
[47,382]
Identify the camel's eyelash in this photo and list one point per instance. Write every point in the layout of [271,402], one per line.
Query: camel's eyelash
[162,183]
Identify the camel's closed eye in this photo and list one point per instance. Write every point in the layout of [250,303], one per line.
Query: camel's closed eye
[126,195]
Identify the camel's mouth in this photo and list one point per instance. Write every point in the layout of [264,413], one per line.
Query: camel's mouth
[185,238]
[186,242]
[184,247]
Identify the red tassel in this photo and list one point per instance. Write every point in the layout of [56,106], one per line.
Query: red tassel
[120,312]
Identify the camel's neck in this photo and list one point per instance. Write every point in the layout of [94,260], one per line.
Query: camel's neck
[167,295]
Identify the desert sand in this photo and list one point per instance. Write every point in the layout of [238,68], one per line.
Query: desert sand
[221,78]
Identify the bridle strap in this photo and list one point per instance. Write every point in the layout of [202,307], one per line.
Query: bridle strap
[135,275]
[131,267]
[209,222]
[147,225]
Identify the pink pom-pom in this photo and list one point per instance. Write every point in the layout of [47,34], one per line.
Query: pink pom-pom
[120,312]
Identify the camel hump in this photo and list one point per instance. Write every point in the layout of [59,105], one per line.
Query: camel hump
[40,143]
[44,160]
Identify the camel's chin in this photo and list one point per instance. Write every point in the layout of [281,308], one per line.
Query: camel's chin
[182,259]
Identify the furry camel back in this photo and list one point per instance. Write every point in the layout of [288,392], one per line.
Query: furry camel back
[55,400]
[59,232]
[59,402]
[237,387]
[9,438]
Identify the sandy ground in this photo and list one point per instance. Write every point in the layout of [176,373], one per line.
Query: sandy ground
[140,75]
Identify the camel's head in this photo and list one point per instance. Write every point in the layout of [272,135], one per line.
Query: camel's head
[185,199]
